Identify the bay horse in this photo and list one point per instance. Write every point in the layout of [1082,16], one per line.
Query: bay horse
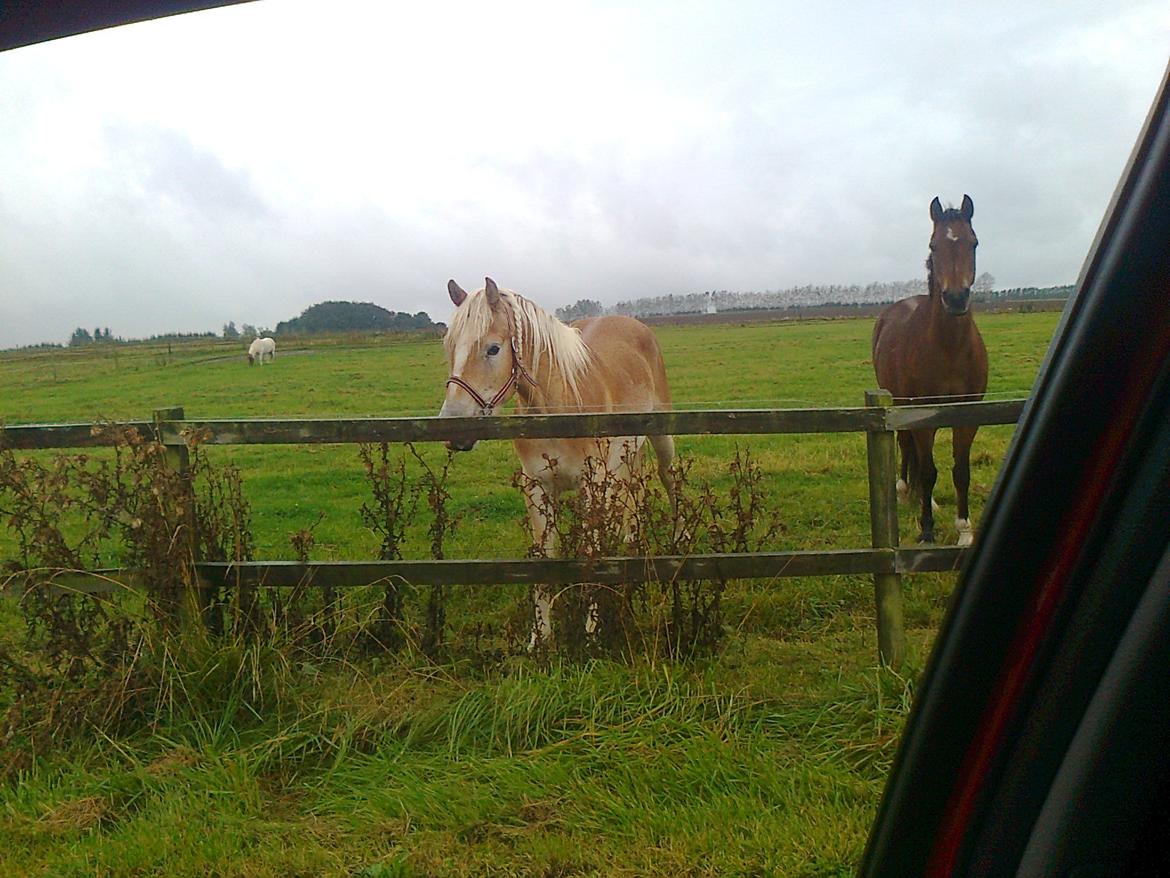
[261,348]
[501,345]
[927,349]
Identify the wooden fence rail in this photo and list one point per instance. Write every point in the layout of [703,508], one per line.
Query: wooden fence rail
[309,431]
[878,419]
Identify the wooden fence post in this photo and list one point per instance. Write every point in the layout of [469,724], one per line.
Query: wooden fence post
[178,458]
[883,519]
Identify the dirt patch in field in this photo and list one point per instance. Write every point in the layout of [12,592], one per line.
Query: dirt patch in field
[75,815]
[173,762]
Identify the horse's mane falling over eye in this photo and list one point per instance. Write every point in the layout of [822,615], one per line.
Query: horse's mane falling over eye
[538,334]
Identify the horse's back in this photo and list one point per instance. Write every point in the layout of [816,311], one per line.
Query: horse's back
[628,358]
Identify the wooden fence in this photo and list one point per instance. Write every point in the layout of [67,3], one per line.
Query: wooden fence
[878,420]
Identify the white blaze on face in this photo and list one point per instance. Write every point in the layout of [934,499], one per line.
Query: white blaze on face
[459,359]
[951,236]
[458,402]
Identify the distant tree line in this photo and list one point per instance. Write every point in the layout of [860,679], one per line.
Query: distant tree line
[580,309]
[368,317]
[246,330]
[353,317]
[807,296]
[1060,292]
[82,336]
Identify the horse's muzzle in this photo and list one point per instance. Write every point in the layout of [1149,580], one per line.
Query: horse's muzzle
[957,304]
[460,444]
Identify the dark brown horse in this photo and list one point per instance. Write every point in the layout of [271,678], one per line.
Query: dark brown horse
[927,349]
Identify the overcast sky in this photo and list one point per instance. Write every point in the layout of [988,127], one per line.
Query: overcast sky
[244,163]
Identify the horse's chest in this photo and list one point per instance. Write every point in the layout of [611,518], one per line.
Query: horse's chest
[557,465]
[560,465]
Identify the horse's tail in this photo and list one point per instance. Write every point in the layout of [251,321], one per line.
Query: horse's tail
[664,452]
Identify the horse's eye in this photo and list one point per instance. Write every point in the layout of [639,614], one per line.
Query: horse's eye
[493,350]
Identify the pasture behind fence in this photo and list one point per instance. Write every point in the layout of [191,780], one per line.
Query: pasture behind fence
[878,419]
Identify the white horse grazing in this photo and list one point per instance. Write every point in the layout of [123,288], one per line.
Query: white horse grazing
[501,345]
[261,348]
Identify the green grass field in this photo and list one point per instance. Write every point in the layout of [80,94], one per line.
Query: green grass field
[768,759]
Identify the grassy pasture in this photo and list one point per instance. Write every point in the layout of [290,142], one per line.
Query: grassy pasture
[766,760]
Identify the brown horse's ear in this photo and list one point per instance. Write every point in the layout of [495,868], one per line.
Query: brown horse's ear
[456,292]
[936,210]
[493,292]
[968,209]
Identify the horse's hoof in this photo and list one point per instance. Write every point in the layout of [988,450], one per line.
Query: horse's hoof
[926,537]
[966,534]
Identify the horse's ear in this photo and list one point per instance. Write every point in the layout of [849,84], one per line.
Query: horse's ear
[456,292]
[968,209]
[492,291]
[936,210]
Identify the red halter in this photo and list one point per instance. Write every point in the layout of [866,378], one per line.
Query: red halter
[518,370]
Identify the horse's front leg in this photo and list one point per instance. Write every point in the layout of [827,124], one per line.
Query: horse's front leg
[538,501]
[927,476]
[624,471]
[962,439]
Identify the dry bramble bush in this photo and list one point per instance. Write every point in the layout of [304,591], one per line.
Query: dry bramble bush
[125,656]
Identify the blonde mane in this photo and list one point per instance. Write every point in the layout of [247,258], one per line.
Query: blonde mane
[538,334]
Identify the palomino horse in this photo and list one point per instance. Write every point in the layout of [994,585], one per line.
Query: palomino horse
[927,349]
[501,345]
[261,348]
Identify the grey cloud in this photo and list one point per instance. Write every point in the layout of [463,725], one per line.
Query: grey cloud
[160,164]
[833,128]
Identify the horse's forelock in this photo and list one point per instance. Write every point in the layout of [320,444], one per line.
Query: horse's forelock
[471,319]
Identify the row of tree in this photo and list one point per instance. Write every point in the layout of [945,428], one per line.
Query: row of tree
[368,317]
[247,331]
[324,317]
[84,336]
[808,296]
[1060,292]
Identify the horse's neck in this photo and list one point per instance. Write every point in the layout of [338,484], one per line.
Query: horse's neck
[945,330]
[932,286]
[550,393]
